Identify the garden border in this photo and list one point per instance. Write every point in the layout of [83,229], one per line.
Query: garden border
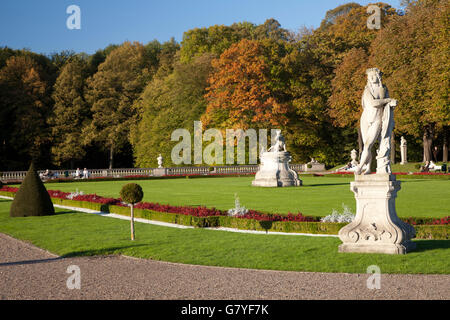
[436,232]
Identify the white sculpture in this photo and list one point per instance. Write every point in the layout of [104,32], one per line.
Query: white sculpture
[376,227]
[160,161]
[279,144]
[377,122]
[354,156]
[403,150]
[274,169]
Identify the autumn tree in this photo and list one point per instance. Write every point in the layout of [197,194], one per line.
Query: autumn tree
[240,92]
[112,92]
[347,88]
[413,52]
[70,113]
[324,82]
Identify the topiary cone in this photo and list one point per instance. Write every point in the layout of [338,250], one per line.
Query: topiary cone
[32,198]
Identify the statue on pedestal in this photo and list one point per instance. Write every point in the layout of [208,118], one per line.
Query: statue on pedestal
[377,122]
[160,161]
[274,169]
[403,150]
[376,227]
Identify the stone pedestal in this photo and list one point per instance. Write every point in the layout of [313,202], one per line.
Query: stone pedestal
[313,167]
[274,171]
[376,228]
[159,172]
[403,150]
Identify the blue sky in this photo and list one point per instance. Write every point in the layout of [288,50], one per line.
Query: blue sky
[41,25]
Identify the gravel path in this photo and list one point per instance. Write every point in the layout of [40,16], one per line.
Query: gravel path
[27,272]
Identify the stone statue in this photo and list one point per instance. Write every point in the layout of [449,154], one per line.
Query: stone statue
[279,144]
[160,161]
[274,169]
[354,156]
[403,150]
[377,122]
[376,227]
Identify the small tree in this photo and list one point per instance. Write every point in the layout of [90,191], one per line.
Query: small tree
[132,193]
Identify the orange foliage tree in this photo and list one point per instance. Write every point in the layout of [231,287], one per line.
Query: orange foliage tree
[241,91]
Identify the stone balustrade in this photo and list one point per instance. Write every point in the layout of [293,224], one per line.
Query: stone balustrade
[123,172]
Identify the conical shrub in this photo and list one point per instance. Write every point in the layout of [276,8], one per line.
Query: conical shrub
[32,198]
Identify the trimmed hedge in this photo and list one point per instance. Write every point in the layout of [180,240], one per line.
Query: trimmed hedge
[32,198]
[435,232]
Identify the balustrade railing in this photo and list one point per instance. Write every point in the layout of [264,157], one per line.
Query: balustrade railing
[129,172]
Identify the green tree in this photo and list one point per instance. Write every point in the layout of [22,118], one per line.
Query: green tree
[24,107]
[167,104]
[132,193]
[70,113]
[218,38]
[112,91]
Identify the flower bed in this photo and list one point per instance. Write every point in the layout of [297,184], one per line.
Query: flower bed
[426,228]
[402,175]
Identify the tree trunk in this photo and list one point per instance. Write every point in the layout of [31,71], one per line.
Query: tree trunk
[132,221]
[428,133]
[111,156]
[445,146]
[392,148]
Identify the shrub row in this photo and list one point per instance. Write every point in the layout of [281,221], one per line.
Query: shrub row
[436,232]
[220,220]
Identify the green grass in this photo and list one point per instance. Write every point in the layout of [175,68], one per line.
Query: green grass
[75,234]
[317,197]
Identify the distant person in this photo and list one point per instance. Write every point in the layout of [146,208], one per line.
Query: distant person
[426,167]
[435,153]
[78,173]
[47,174]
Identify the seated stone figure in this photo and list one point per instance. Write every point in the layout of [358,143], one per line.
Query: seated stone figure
[280,144]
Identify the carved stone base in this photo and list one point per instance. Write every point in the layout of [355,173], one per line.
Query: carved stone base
[274,171]
[159,172]
[376,228]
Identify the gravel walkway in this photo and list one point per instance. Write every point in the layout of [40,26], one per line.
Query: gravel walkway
[27,272]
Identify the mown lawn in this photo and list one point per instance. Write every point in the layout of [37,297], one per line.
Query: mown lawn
[73,234]
[317,197]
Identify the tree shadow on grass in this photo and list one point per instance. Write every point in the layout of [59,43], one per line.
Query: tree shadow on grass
[425,245]
[100,252]
[63,212]
[24,262]
[5,200]
[326,184]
